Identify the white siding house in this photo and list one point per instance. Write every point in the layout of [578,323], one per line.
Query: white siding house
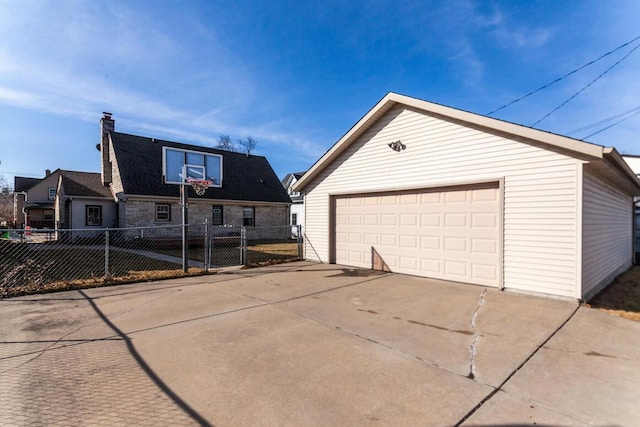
[419,188]
[296,214]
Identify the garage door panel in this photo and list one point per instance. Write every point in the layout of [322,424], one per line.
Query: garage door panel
[484,219]
[455,196]
[455,244]
[456,269]
[484,246]
[430,243]
[450,235]
[455,219]
[431,267]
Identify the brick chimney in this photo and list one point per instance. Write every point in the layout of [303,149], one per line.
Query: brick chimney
[47,172]
[107,124]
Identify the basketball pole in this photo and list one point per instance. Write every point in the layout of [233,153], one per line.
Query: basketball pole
[184,200]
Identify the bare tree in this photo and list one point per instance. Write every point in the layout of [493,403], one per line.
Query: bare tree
[248,144]
[225,143]
[6,202]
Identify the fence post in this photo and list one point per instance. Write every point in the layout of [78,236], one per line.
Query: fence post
[206,245]
[243,245]
[106,255]
[299,238]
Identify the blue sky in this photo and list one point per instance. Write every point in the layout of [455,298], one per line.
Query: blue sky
[297,75]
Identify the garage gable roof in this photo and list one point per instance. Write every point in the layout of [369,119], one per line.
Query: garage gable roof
[391,99]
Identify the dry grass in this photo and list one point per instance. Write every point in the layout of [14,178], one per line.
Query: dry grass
[130,277]
[622,297]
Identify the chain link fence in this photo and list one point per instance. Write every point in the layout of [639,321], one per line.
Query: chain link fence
[271,244]
[33,261]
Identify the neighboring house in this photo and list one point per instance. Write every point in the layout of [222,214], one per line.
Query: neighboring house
[419,188]
[34,200]
[634,163]
[296,216]
[82,202]
[144,175]
[20,186]
[59,200]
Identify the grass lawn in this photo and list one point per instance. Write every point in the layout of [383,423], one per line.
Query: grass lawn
[229,254]
[622,297]
[271,251]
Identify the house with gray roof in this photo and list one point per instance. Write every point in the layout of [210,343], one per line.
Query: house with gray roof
[82,202]
[20,186]
[63,199]
[145,174]
[139,186]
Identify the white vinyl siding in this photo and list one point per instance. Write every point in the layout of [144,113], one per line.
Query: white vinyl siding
[607,238]
[540,200]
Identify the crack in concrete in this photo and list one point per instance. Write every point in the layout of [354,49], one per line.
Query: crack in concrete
[473,347]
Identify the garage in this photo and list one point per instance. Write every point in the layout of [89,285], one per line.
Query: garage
[445,233]
[424,189]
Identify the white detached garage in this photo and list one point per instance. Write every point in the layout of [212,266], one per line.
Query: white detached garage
[423,189]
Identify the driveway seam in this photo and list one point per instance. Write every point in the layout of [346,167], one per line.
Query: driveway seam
[503,383]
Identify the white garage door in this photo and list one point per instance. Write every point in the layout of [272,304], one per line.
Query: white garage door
[450,234]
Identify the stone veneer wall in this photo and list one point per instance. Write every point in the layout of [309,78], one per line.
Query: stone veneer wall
[142,213]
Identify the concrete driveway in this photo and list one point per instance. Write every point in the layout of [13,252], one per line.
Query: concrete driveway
[311,344]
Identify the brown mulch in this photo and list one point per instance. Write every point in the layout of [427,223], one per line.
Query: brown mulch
[622,297]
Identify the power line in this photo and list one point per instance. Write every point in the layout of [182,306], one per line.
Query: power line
[603,121]
[563,77]
[611,125]
[589,84]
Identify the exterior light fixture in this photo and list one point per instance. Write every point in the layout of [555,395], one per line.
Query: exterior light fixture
[397,145]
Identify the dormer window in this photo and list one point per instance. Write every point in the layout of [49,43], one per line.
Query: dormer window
[180,165]
[52,193]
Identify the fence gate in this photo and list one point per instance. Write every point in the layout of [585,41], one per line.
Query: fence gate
[224,246]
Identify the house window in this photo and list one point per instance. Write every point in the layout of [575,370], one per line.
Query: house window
[294,219]
[52,193]
[163,212]
[93,215]
[192,164]
[293,193]
[217,215]
[248,217]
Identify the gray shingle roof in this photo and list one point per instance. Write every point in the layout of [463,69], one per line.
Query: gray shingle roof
[249,178]
[84,184]
[21,183]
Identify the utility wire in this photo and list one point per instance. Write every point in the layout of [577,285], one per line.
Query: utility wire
[563,77]
[589,84]
[611,125]
[603,121]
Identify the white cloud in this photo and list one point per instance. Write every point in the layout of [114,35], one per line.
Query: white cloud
[88,57]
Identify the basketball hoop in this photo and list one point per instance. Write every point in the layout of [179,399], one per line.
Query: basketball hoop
[199,185]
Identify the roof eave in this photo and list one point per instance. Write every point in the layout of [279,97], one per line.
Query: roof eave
[391,99]
[615,161]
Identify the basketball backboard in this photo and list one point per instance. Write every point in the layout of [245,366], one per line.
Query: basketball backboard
[179,165]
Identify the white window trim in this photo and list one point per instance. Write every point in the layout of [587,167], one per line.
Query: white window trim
[168,212]
[253,216]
